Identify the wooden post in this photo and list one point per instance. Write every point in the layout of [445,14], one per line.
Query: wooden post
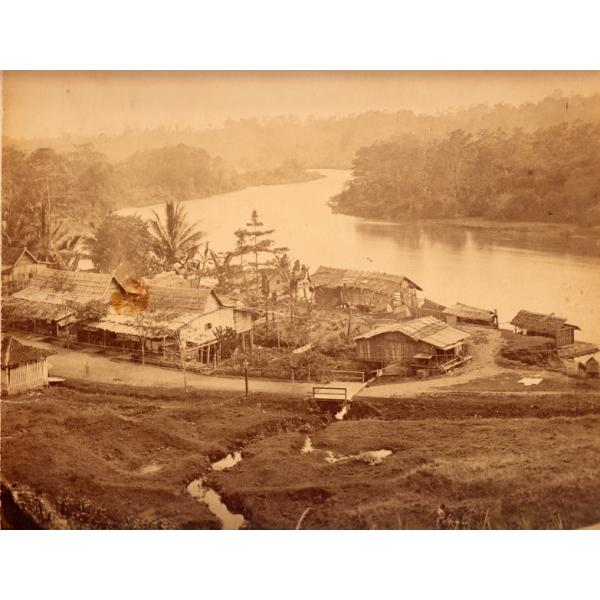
[251,341]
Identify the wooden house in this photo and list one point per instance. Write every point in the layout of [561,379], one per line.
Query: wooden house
[19,267]
[549,326]
[23,367]
[462,313]
[426,345]
[46,305]
[170,321]
[377,291]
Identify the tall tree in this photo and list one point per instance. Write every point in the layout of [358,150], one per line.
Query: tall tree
[174,239]
[122,245]
[253,240]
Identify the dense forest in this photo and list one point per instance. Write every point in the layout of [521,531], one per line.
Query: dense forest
[329,142]
[550,174]
[80,187]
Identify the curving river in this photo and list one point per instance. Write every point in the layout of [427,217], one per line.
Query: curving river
[482,268]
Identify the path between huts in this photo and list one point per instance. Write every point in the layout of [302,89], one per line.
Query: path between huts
[89,365]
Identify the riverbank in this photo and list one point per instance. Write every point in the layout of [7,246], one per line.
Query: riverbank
[500,460]
[567,238]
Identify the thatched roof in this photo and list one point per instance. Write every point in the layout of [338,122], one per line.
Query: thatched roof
[14,353]
[59,287]
[165,325]
[540,323]
[430,330]
[182,299]
[160,311]
[10,256]
[383,283]
[463,311]
[174,280]
[19,309]
[431,305]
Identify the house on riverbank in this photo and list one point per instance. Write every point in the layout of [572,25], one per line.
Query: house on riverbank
[549,326]
[23,367]
[367,289]
[425,346]
[462,313]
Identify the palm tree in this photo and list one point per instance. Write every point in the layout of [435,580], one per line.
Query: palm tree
[174,239]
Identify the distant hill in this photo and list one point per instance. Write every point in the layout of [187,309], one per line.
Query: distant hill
[253,144]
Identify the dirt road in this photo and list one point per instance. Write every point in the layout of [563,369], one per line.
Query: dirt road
[87,364]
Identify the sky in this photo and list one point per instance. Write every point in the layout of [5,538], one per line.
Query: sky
[51,103]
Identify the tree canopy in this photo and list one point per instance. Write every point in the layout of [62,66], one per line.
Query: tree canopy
[551,174]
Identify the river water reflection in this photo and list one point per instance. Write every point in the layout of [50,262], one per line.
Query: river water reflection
[503,270]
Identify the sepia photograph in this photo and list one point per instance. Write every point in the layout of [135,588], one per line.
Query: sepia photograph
[286,300]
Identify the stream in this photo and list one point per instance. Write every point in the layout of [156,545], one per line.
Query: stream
[212,499]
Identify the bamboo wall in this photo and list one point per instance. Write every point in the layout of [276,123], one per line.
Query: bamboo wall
[25,377]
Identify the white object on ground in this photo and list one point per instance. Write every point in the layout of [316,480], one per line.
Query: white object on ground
[531,380]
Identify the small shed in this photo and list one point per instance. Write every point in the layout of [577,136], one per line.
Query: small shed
[588,366]
[426,344]
[463,313]
[333,286]
[550,326]
[23,367]
[19,266]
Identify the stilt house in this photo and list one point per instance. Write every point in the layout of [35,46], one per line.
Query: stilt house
[425,344]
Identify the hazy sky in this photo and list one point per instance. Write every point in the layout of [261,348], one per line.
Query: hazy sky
[50,103]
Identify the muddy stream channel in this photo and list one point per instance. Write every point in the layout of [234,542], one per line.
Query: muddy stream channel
[212,499]
[230,520]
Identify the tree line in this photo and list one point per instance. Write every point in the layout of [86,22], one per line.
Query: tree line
[332,142]
[50,200]
[550,174]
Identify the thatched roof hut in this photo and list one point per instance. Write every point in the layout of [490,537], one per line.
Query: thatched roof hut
[23,367]
[552,326]
[338,286]
[49,294]
[471,314]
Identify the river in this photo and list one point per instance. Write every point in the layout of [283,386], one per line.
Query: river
[451,264]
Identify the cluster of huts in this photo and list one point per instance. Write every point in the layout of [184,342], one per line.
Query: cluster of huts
[170,321]
[425,337]
[171,318]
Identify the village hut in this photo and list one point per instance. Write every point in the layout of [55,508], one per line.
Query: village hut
[171,322]
[462,313]
[19,267]
[23,367]
[47,304]
[587,366]
[366,289]
[549,326]
[425,345]
[429,308]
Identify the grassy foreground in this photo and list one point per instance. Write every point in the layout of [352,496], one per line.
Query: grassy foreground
[112,456]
